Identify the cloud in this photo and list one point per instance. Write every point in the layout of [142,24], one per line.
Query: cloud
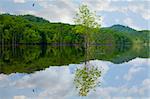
[32,81]
[1,11]
[2,76]
[140,62]
[141,8]
[57,11]
[64,10]
[122,92]
[133,13]
[146,82]
[132,71]
[53,82]
[20,1]
[47,83]
[130,22]
[19,97]
[57,83]
[136,66]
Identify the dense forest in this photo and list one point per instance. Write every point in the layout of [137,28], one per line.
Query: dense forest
[29,29]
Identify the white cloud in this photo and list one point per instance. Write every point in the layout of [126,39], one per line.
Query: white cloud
[19,1]
[57,11]
[103,5]
[32,81]
[130,22]
[140,62]
[132,71]
[146,82]
[136,66]
[141,8]
[124,92]
[19,97]
[2,76]
[110,6]
[64,10]
[126,8]
[57,83]
[1,11]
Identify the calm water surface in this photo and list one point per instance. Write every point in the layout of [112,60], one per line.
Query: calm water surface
[60,72]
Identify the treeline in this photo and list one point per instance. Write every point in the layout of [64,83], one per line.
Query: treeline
[28,29]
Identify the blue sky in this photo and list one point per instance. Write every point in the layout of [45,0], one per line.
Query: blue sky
[132,13]
[129,80]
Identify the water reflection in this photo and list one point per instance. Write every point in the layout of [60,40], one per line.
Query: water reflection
[28,59]
[70,72]
[86,78]
[127,80]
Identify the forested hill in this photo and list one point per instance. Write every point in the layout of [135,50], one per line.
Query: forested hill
[31,29]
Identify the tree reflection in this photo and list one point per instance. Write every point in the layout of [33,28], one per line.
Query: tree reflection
[86,78]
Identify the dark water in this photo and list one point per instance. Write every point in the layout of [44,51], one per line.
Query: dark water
[28,59]
[60,72]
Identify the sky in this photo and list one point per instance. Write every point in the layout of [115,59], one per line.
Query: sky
[132,13]
[129,80]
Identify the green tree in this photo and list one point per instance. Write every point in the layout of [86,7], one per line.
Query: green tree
[31,36]
[87,23]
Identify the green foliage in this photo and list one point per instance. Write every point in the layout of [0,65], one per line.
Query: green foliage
[30,29]
[87,23]
[34,19]
[27,59]
[86,78]
[141,37]
[86,18]
[31,36]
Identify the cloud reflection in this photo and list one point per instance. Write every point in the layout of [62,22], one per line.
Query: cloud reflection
[57,82]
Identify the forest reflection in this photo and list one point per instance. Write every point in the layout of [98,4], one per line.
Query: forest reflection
[28,59]
[86,77]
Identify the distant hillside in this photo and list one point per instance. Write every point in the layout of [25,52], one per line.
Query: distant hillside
[31,29]
[122,28]
[34,18]
[137,36]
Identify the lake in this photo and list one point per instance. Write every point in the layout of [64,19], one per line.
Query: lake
[73,72]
